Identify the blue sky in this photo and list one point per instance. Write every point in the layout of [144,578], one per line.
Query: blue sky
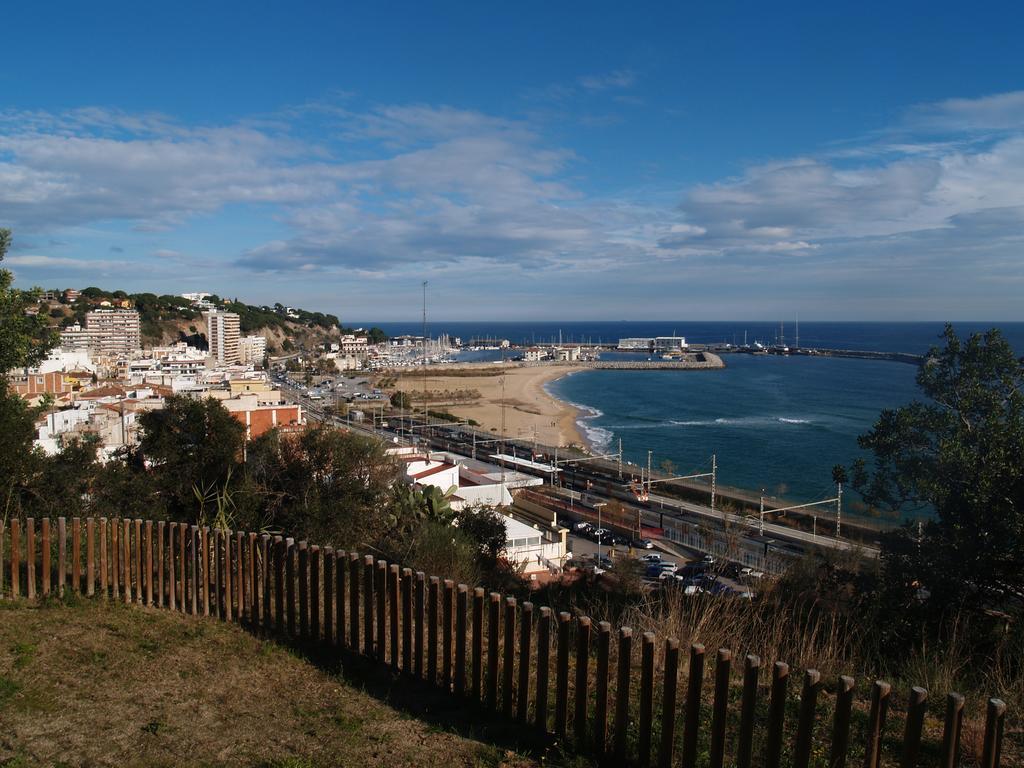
[531,160]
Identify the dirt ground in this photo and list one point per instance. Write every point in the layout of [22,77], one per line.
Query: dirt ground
[96,684]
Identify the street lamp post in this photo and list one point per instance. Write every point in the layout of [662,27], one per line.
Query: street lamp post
[598,506]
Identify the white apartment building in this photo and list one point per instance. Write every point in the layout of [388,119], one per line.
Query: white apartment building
[252,349]
[113,332]
[223,330]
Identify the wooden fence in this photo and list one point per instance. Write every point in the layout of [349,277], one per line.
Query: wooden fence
[552,673]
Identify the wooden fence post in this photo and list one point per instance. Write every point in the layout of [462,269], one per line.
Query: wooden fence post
[491,686]
[30,558]
[646,698]
[368,605]
[917,708]
[841,723]
[951,731]
[3,575]
[581,698]
[204,545]
[127,566]
[160,553]
[138,561]
[748,706]
[328,596]
[240,590]
[876,723]
[668,703]
[314,593]
[90,557]
[540,714]
[461,617]
[290,556]
[509,652]
[525,630]
[381,592]
[478,644]
[46,564]
[76,555]
[149,562]
[193,569]
[447,616]
[340,596]
[995,718]
[227,586]
[420,611]
[103,556]
[265,602]
[353,595]
[393,610]
[304,590]
[62,555]
[252,594]
[182,578]
[172,580]
[115,559]
[622,680]
[776,714]
[15,558]
[279,553]
[604,639]
[691,724]
[432,619]
[407,621]
[720,708]
[805,724]
[562,676]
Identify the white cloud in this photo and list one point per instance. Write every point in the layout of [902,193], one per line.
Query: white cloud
[620,78]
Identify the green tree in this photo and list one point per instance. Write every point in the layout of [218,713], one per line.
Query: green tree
[25,335]
[957,459]
[323,484]
[190,444]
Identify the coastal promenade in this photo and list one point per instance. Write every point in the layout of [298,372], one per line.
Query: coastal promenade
[693,362]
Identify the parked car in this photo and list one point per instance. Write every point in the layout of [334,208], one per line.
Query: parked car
[733,570]
[652,557]
[582,527]
[618,540]
[642,544]
[708,559]
[750,573]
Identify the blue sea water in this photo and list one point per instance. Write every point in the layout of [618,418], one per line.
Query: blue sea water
[777,423]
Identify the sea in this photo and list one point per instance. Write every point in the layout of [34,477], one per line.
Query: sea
[775,424]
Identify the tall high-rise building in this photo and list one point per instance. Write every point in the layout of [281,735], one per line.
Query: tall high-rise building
[113,332]
[223,330]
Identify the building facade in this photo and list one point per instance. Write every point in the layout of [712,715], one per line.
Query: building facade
[113,332]
[223,331]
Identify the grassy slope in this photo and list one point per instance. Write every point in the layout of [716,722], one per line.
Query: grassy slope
[102,684]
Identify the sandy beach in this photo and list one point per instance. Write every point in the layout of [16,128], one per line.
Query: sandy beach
[476,391]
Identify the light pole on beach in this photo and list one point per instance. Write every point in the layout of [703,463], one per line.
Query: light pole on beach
[598,506]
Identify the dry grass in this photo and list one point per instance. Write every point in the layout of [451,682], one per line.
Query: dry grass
[101,684]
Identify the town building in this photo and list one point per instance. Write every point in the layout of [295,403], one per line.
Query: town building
[113,332]
[252,349]
[223,331]
[535,354]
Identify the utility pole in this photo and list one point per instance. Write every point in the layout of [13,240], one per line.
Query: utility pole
[714,472]
[839,509]
[649,453]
